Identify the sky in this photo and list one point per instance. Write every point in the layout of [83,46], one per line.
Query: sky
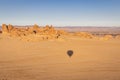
[60,12]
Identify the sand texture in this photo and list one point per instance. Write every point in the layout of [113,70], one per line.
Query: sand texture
[48,60]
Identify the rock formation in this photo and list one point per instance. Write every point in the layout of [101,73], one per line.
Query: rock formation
[4,29]
[84,35]
[106,37]
[117,37]
[35,32]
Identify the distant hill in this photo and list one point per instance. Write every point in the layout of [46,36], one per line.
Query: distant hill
[94,30]
[91,29]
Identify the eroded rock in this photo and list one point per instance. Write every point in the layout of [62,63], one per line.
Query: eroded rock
[30,33]
[84,35]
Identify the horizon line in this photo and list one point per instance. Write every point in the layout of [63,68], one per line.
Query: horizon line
[63,25]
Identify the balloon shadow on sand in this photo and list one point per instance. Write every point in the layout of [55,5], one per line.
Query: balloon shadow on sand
[70,53]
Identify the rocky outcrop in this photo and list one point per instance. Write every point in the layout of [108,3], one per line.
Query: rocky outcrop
[84,35]
[10,27]
[106,37]
[117,37]
[5,29]
[35,32]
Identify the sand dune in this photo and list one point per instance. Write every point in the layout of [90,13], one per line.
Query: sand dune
[48,60]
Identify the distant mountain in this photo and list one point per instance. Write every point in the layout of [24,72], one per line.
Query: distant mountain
[94,30]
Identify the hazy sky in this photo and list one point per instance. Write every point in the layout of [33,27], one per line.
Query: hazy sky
[61,12]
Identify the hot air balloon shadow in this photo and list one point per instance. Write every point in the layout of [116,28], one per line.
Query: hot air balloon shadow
[70,53]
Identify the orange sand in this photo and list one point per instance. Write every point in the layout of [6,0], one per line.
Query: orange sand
[48,60]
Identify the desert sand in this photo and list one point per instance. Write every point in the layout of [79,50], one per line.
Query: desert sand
[92,59]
